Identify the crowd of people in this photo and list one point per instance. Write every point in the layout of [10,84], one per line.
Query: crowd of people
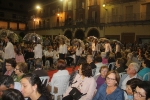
[106,71]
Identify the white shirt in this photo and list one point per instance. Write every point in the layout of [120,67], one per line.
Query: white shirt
[63,49]
[9,51]
[55,54]
[79,51]
[49,54]
[125,81]
[38,51]
[108,47]
[117,48]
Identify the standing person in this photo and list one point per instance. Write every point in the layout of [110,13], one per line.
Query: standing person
[9,52]
[79,50]
[19,56]
[62,49]
[49,55]
[110,90]
[46,42]
[32,87]
[108,48]
[95,47]
[38,51]
[118,48]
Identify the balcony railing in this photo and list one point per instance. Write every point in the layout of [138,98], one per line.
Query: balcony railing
[119,1]
[126,18]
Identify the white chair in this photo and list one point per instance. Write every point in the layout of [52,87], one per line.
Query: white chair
[45,80]
[63,82]
[121,74]
[112,65]
[146,77]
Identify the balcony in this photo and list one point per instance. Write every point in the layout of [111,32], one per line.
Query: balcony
[119,1]
[135,18]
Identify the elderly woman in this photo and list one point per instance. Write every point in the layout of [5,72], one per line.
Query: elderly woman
[84,82]
[100,79]
[110,89]
[142,91]
[20,70]
[10,65]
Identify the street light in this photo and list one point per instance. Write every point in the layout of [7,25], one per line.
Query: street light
[38,7]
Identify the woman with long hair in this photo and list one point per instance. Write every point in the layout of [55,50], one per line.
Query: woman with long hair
[33,88]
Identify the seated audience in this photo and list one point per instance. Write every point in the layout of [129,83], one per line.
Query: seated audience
[146,69]
[104,58]
[33,88]
[130,87]
[98,63]
[84,82]
[38,68]
[142,91]
[12,94]
[129,59]
[49,55]
[110,90]
[61,66]
[7,82]
[132,70]
[20,70]
[119,65]
[10,65]
[111,57]
[100,79]
[90,60]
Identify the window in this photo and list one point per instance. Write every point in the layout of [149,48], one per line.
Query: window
[11,4]
[1,14]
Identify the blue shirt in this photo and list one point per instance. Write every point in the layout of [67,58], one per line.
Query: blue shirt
[101,94]
[143,72]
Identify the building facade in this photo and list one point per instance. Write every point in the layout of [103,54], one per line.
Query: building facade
[13,15]
[125,20]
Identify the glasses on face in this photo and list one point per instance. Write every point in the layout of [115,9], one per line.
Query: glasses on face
[107,78]
[7,65]
[16,69]
[139,94]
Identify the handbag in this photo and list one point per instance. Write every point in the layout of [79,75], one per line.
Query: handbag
[75,93]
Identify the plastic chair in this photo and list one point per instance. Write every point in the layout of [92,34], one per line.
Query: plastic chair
[121,74]
[111,65]
[45,80]
[146,77]
[63,82]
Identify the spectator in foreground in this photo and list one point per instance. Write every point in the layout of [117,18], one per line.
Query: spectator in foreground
[12,94]
[131,85]
[142,91]
[110,90]
[33,88]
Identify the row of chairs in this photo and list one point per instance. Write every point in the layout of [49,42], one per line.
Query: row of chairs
[62,86]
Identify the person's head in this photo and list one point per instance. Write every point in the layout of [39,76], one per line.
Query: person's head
[112,55]
[146,63]
[118,55]
[50,48]
[129,56]
[112,78]
[10,64]
[98,59]
[21,68]
[38,63]
[61,64]
[142,91]
[85,70]
[103,54]
[89,59]
[5,39]
[103,71]
[6,82]
[133,68]
[12,94]
[81,61]
[119,62]
[131,85]
[31,84]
